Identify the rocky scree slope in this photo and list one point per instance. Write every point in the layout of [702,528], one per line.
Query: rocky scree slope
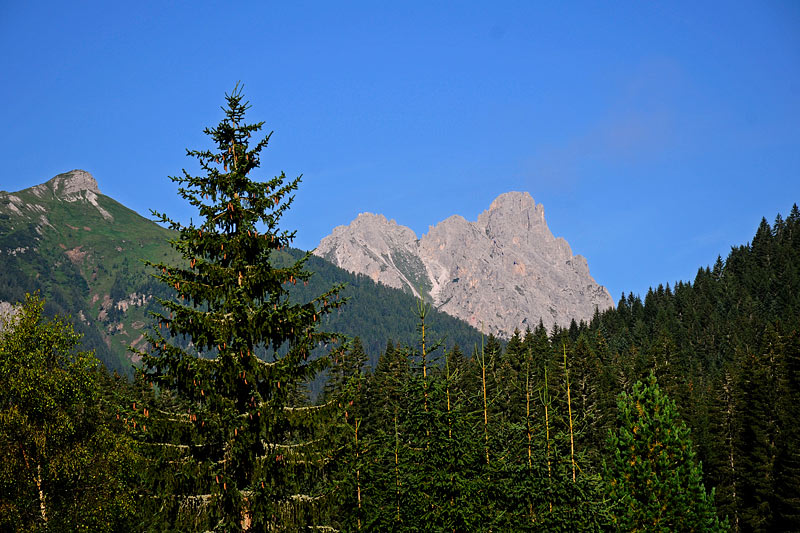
[502,272]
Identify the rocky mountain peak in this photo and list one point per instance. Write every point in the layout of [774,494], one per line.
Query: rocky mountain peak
[73,186]
[514,207]
[513,201]
[504,271]
[514,219]
[378,242]
[72,183]
[372,221]
[376,229]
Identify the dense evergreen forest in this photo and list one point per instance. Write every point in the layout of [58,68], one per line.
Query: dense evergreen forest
[676,412]
[374,312]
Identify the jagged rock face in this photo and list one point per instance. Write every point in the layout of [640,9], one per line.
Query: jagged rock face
[386,251]
[73,186]
[502,272]
[72,183]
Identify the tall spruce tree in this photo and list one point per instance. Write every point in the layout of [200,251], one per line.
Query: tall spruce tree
[232,345]
[763,388]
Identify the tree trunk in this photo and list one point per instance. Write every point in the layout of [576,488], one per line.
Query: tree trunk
[42,506]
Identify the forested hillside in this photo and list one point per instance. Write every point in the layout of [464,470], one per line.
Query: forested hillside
[84,253]
[676,412]
[666,413]
[376,313]
[727,348]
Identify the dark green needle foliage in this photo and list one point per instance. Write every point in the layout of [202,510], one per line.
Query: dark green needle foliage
[652,472]
[232,346]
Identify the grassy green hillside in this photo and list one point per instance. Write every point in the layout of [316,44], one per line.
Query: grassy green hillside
[85,253]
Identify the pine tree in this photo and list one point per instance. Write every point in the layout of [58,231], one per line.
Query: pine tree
[347,437]
[762,387]
[722,466]
[231,343]
[345,365]
[653,474]
[385,392]
[787,465]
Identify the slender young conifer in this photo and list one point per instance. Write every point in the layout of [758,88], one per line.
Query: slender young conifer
[485,404]
[569,409]
[358,475]
[397,466]
[528,423]
[546,403]
[447,392]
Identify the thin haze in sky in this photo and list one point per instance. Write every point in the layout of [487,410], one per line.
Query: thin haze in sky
[655,134]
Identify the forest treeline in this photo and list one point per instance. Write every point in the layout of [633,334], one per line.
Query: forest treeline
[375,312]
[675,412]
[517,436]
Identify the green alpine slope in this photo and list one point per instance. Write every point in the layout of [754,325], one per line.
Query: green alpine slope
[83,251]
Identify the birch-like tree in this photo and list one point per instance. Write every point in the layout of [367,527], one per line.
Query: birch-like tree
[62,468]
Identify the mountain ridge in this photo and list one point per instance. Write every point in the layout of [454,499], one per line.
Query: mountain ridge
[504,271]
[84,251]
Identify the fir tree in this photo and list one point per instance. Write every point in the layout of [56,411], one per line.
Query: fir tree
[231,343]
[723,460]
[787,466]
[762,387]
[653,474]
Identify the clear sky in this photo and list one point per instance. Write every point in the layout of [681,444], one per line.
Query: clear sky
[656,134]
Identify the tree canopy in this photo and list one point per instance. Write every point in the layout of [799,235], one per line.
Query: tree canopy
[64,468]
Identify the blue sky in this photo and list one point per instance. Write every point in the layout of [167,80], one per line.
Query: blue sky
[656,134]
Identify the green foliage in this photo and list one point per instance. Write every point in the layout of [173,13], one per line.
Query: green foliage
[652,472]
[722,348]
[63,468]
[241,376]
[429,460]
[95,285]
[77,259]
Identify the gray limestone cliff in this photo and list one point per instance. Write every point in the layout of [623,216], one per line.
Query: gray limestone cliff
[502,272]
[7,312]
[73,183]
[73,186]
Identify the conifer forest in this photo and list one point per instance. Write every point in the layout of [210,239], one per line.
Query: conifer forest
[676,411]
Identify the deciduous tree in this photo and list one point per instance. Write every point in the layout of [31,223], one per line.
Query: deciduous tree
[63,469]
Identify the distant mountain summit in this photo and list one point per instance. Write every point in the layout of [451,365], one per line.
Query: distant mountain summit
[70,184]
[502,272]
[73,186]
